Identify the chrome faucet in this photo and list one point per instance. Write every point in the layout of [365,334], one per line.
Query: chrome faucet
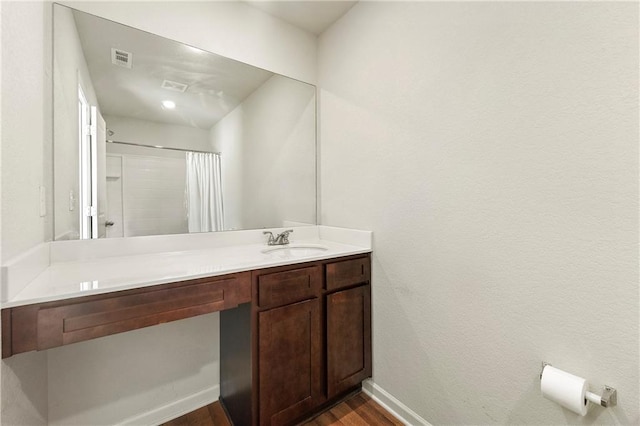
[280,239]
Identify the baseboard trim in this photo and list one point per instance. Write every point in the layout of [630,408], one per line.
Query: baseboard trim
[392,405]
[175,409]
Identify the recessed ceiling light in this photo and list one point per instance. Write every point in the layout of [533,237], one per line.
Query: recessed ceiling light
[168,104]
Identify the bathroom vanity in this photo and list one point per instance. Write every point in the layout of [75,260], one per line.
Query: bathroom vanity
[295,329]
[307,340]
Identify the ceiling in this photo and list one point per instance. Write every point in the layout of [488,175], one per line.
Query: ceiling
[216,85]
[312,16]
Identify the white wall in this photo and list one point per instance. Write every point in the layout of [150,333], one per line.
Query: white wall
[108,380]
[231,29]
[25,71]
[228,28]
[226,138]
[127,129]
[24,390]
[269,131]
[25,83]
[279,180]
[492,148]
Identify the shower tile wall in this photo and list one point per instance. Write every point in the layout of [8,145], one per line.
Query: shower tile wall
[153,191]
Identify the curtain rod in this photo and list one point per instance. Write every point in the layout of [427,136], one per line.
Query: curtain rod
[161,147]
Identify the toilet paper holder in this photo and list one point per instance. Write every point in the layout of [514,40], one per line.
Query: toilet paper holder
[609,396]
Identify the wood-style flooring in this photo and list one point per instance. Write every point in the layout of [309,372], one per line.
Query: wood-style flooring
[358,410]
[209,415]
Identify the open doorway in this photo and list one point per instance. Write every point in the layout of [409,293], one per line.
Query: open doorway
[92,152]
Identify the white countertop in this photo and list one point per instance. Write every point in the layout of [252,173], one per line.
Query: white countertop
[107,273]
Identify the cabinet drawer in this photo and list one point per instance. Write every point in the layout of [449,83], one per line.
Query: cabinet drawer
[281,288]
[110,314]
[348,272]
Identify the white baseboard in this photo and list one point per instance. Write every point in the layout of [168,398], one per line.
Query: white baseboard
[183,406]
[392,405]
[175,409]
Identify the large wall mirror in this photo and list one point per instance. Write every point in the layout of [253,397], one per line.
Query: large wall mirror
[155,137]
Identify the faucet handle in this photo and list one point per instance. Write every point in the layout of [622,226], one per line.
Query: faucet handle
[285,236]
[271,238]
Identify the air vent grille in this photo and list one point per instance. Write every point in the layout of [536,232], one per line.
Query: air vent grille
[174,86]
[121,58]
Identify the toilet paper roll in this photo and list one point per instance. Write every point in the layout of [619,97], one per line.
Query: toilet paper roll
[565,389]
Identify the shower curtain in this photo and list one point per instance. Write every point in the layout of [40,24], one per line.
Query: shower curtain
[204,192]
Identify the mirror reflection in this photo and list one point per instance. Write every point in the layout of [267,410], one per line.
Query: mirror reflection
[152,136]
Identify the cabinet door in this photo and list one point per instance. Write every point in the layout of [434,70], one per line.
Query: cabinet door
[348,338]
[289,361]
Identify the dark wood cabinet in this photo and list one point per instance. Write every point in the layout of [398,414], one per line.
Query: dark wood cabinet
[310,341]
[348,338]
[289,342]
[289,349]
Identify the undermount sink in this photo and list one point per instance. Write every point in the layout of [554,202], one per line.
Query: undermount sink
[295,250]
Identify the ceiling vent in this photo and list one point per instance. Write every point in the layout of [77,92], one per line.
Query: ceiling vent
[174,86]
[121,58]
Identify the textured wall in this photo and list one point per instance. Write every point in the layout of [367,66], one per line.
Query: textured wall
[26,136]
[492,148]
[24,390]
[105,381]
[25,71]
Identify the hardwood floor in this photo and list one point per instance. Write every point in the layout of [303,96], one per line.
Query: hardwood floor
[358,410]
[209,415]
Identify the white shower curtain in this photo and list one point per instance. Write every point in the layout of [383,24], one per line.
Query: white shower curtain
[204,192]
